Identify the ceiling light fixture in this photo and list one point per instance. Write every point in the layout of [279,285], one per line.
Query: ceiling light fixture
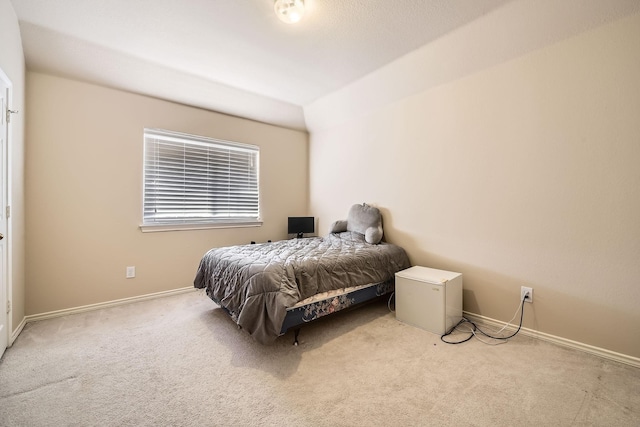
[289,11]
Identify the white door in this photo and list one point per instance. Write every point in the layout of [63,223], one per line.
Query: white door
[4,137]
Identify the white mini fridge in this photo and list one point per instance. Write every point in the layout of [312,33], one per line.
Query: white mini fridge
[428,298]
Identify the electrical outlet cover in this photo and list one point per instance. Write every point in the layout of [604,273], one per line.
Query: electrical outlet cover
[523,291]
[131,272]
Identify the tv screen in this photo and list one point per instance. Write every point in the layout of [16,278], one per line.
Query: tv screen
[299,225]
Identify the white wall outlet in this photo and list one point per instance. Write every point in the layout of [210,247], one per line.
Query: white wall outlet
[131,272]
[526,294]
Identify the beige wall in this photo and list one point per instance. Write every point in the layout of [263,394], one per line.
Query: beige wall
[12,63]
[84,192]
[525,173]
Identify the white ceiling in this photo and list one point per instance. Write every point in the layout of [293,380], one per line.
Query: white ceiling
[198,51]
[233,56]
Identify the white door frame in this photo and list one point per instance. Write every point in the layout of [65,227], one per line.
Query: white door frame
[6,216]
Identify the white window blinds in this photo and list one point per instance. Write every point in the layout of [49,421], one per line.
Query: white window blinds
[193,180]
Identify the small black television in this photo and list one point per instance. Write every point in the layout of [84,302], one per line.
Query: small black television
[299,225]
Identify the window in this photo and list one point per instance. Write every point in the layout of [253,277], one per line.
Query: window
[199,181]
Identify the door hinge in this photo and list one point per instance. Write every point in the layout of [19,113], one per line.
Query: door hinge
[8,307]
[8,212]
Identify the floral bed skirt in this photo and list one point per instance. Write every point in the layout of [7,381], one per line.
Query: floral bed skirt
[326,303]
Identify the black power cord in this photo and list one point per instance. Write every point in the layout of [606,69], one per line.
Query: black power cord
[450,331]
[476,328]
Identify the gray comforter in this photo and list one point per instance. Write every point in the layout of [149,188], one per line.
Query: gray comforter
[256,283]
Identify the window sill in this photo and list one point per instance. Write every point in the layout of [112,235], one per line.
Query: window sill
[154,228]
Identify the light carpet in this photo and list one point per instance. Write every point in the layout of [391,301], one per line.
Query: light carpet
[180,361]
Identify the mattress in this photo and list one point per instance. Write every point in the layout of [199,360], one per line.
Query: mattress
[326,303]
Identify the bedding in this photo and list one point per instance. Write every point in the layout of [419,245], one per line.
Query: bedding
[257,283]
[327,303]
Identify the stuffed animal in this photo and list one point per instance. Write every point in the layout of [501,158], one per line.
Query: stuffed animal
[363,219]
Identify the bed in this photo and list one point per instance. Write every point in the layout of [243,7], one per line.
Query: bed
[270,288]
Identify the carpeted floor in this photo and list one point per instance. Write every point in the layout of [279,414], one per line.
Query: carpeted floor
[180,361]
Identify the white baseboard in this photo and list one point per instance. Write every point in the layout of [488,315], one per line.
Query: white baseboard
[17,331]
[597,351]
[90,307]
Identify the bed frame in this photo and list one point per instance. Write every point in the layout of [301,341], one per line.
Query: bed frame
[326,303]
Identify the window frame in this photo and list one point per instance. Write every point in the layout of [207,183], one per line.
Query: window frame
[190,142]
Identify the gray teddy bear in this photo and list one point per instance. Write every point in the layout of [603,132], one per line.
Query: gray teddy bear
[363,219]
